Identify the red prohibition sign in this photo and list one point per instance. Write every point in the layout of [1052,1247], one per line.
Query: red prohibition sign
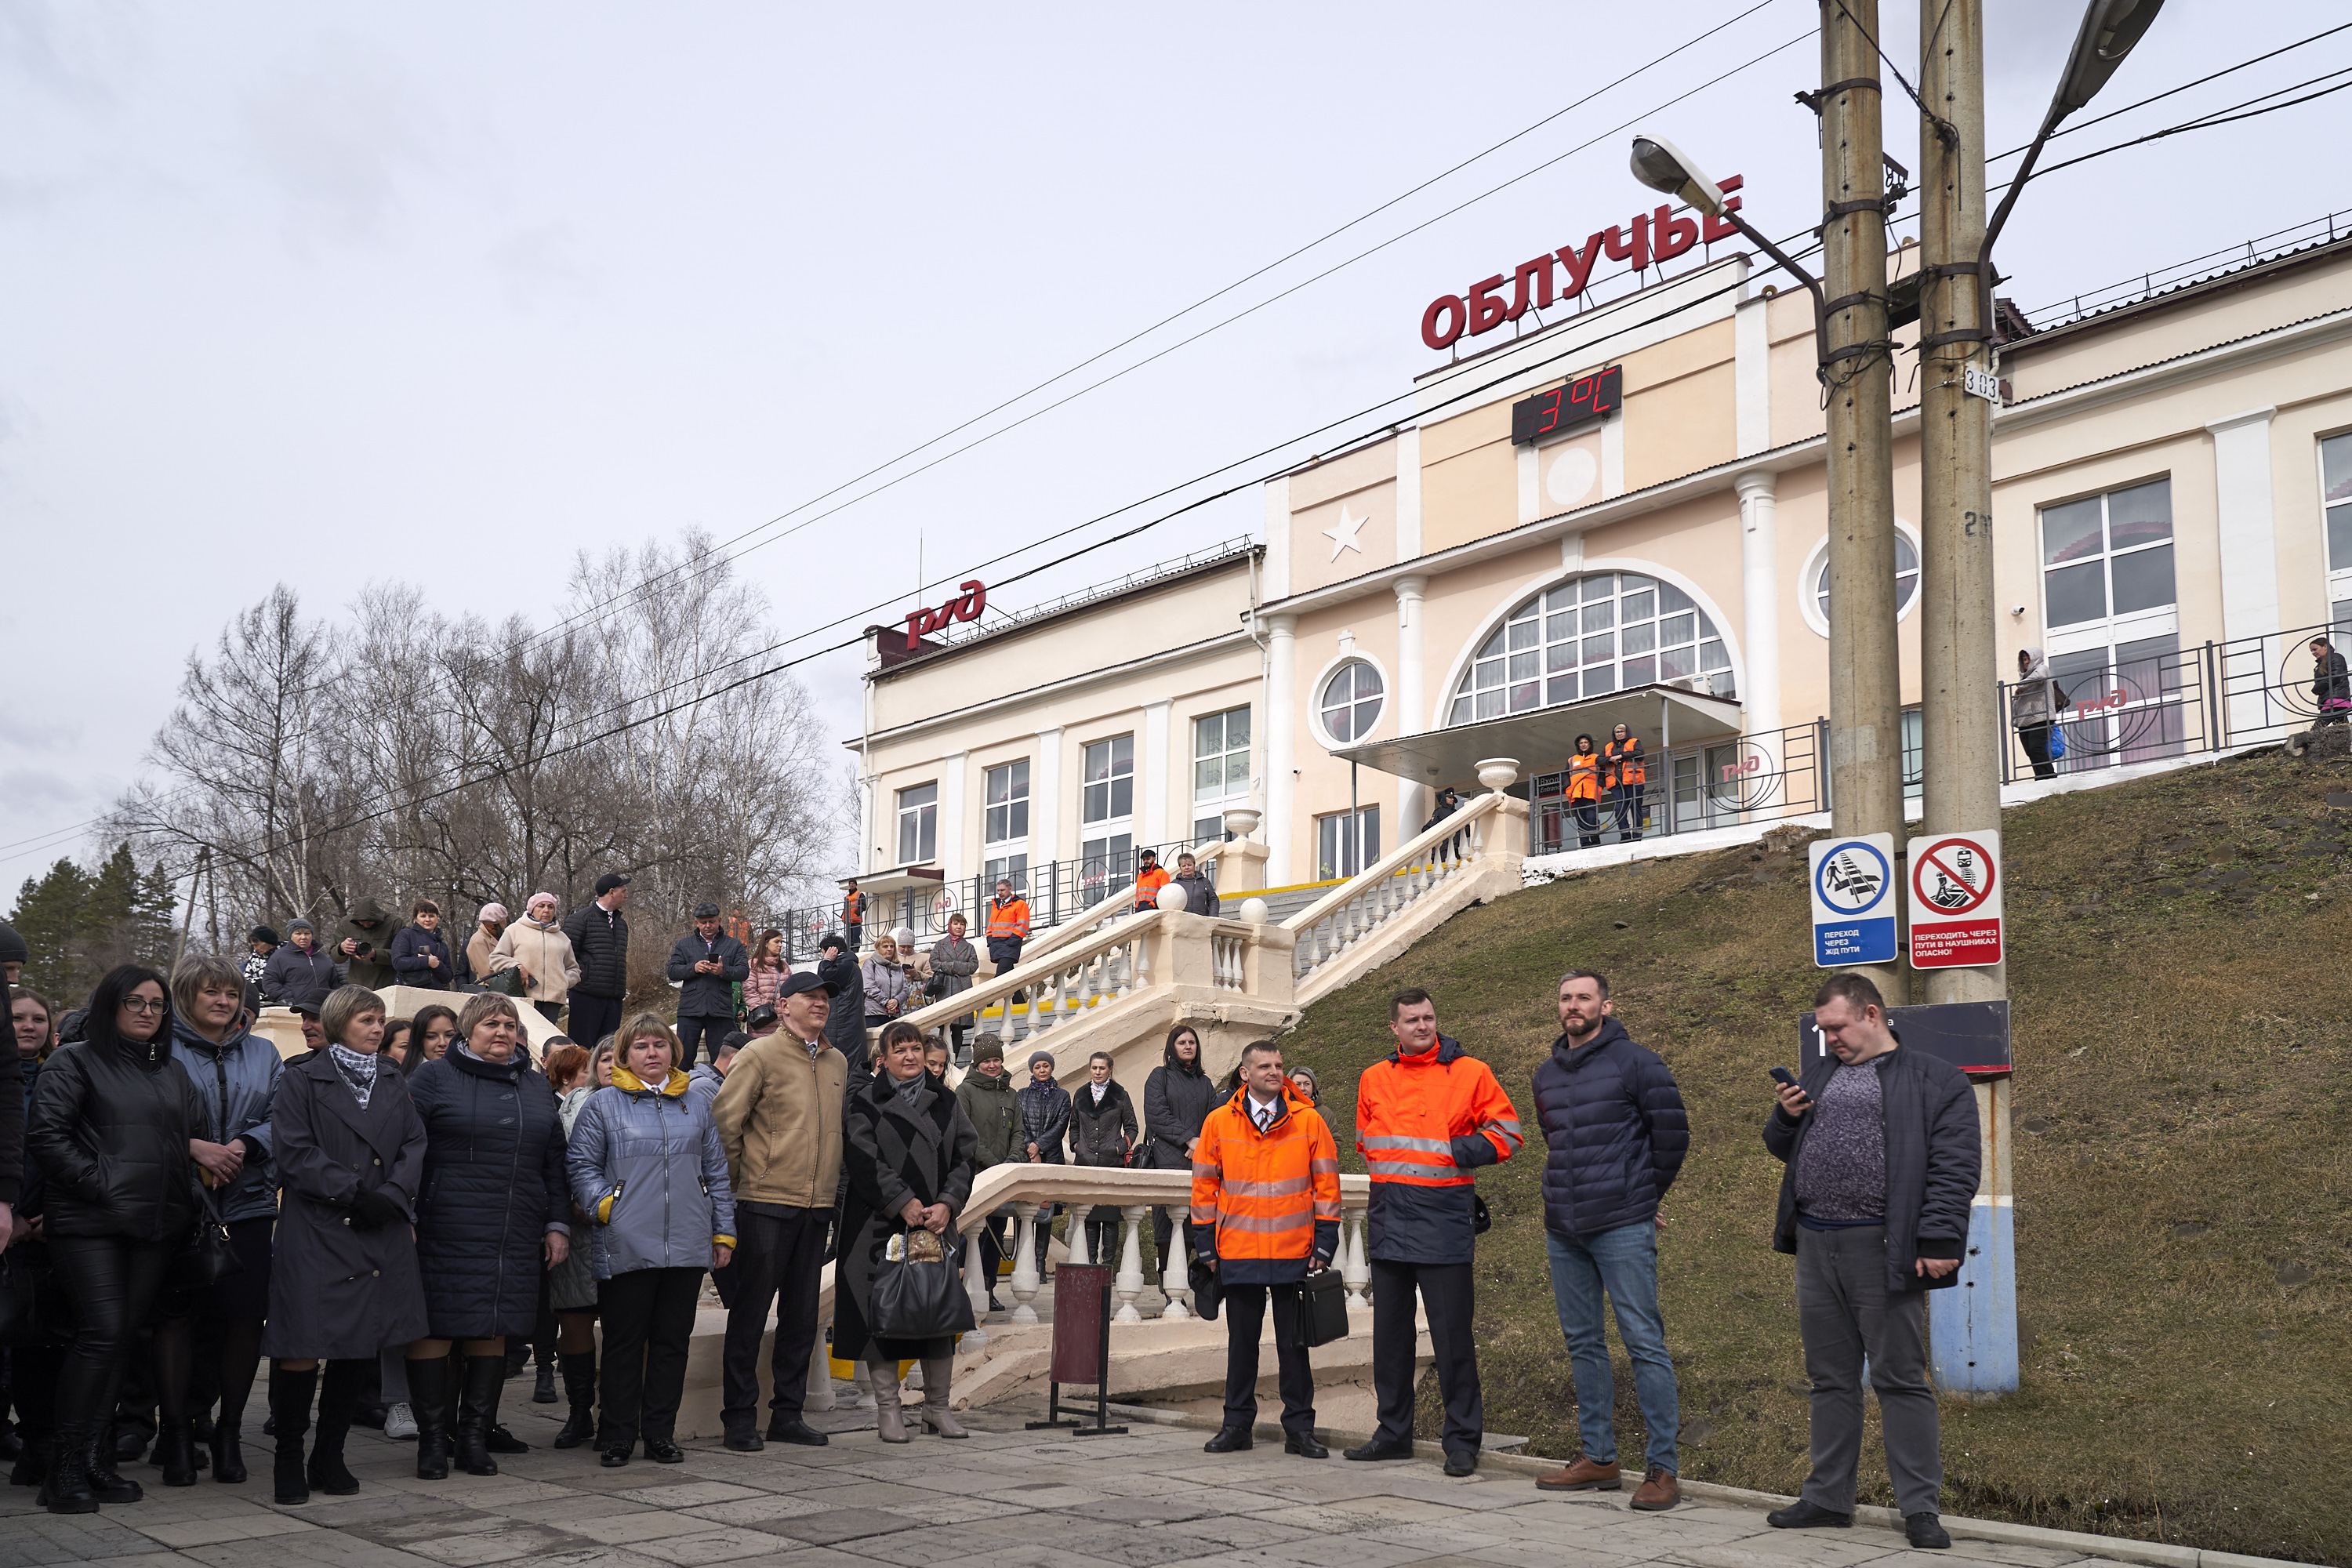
[1941,855]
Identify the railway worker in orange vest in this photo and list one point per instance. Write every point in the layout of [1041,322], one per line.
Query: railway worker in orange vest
[852,914]
[1625,770]
[1265,1211]
[1008,926]
[1426,1116]
[1584,791]
[1150,877]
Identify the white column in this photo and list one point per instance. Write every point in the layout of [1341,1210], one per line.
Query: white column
[1752,378]
[1531,495]
[1277,538]
[951,832]
[1411,702]
[2242,486]
[1045,804]
[1408,493]
[1759,600]
[1155,772]
[1281,743]
[1613,456]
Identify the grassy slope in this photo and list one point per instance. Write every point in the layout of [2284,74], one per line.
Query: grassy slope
[2185,1209]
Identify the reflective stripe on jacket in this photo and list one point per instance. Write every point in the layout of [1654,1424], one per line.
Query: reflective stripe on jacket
[1008,921]
[1148,885]
[1263,1203]
[1625,764]
[1584,777]
[1423,1124]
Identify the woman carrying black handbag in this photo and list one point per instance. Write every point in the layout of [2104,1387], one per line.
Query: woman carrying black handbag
[113,1116]
[909,1155]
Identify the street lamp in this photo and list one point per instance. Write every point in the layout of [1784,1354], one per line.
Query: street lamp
[2110,30]
[1661,165]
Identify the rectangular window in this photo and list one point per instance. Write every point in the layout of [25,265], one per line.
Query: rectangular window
[2335,501]
[2107,555]
[1109,781]
[1007,818]
[1221,755]
[919,825]
[1345,846]
[1106,865]
[1006,867]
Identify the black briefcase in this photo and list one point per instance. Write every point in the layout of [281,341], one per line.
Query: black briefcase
[1322,1308]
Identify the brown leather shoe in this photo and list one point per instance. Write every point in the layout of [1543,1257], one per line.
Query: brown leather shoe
[1659,1490]
[1582,1474]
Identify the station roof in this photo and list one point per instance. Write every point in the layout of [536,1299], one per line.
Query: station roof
[1541,741]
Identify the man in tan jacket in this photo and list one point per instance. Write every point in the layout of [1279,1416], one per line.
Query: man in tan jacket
[779,1116]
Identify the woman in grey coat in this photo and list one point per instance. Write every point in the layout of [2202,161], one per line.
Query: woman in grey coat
[347,1151]
[954,961]
[1177,1098]
[647,1166]
[909,1153]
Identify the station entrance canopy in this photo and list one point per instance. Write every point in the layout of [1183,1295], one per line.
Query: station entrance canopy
[1542,740]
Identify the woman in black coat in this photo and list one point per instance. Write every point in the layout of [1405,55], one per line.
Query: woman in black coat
[347,1153]
[909,1152]
[1102,1132]
[1177,1098]
[112,1115]
[495,1215]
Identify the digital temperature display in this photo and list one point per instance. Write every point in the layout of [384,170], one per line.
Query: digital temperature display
[1586,398]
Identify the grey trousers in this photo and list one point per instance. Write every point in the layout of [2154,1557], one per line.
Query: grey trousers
[1846,1314]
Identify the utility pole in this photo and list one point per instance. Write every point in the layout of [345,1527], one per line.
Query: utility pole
[1865,669]
[1975,1333]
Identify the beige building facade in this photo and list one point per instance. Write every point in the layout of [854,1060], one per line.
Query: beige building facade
[2172,518]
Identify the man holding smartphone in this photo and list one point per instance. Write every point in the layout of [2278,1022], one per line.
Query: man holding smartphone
[1882,1157]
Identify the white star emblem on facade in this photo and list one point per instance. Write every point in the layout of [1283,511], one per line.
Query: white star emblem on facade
[1342,533]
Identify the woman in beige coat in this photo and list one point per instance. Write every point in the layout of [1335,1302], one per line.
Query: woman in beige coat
[536,945]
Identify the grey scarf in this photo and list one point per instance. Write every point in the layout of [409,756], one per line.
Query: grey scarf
[357,1071]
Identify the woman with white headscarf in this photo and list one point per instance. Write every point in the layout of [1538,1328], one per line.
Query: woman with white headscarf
[2034,704]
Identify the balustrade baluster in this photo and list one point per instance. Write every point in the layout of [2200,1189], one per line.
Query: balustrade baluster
[1128,1284]
[1074,1235]
[1175,1271]
[1355,1255]
[975,1285]
[1025,1280]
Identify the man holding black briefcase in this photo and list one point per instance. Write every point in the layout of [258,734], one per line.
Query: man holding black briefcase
[1265,1214]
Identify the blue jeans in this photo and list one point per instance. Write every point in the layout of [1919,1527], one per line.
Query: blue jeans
[1624,1263]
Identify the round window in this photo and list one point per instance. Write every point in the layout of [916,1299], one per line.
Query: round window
[1351,702]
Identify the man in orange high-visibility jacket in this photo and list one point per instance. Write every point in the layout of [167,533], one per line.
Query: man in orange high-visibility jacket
[1265,1211]
[853,915]
[1625,773]
[1008,926]
[1426,1116]
[1150,877]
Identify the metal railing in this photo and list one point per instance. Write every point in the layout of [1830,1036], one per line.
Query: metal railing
[1761,777]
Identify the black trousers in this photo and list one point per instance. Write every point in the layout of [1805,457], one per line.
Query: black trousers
[854,934]
[690,1033]
[592,1018]
[2035,739]
[1588,823]
[1245,1310]
[112,1282]
[1626,800]
[553,1012]
[995,1244]
[649,1320]
[776,1260]
[1445,1289]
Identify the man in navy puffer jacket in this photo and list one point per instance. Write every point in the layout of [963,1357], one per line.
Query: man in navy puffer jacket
[1613,1122]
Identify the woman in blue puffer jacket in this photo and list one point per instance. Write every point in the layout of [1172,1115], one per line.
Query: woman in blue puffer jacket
[648,1168]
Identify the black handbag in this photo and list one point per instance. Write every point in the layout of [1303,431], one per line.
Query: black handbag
[31,1313]
[1322,1308]
[923,1300]
[507,982]
[210,1256]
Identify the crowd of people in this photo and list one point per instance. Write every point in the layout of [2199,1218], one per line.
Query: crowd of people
[391,1216]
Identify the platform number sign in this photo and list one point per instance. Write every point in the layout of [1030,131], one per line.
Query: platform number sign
[1853,899]
[1956,900]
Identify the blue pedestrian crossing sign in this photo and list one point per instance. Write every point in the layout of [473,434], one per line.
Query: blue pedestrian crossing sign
[1853,892]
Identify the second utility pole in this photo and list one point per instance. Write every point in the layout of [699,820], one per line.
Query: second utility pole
[1866,666]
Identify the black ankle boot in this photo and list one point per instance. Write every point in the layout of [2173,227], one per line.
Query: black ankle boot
[477,1412]
[67,1488]
[32,1467]
[228,1453]
[289,1411]
[109,1483]
[175,1452]
[428,1402]
[580,1387]
[339,1401]
[544,1393]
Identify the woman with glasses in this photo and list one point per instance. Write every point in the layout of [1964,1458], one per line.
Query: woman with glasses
[112,1119]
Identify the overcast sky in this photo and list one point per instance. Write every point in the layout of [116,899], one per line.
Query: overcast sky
[325,295]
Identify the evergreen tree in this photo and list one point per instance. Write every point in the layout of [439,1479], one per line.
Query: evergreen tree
[48,915]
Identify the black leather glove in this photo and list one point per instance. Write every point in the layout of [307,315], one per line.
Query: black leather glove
[370,1210]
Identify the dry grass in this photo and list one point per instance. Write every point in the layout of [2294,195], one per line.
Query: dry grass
[2184,1217]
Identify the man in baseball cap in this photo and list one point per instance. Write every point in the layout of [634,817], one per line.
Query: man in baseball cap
[706,965]
[599,942]
[779,1117]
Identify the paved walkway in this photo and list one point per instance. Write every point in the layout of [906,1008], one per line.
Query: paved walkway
[1006,1499]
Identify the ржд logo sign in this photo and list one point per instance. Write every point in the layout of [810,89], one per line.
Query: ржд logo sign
[965,606]
[1657,236]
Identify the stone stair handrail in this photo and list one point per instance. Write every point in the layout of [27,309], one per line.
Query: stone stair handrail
[1349,912]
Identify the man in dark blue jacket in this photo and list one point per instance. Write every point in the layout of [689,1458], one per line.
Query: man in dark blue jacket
[599,935]
[1882,1155]
[707,965]
[1613,1122]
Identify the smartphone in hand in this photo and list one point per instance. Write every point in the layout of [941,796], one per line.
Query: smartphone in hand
[1783,1076]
